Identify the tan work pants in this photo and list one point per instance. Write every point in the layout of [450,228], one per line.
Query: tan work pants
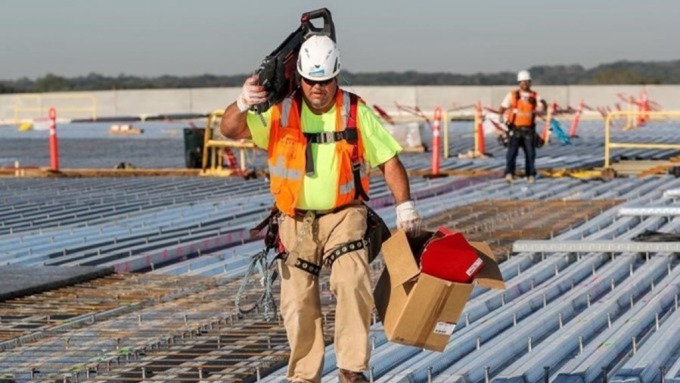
[350,283]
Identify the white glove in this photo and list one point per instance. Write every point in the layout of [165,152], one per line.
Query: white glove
[252,93]
[408,218]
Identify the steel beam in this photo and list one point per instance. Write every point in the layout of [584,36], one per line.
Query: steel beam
[671,193]
[663,211]
[580,246]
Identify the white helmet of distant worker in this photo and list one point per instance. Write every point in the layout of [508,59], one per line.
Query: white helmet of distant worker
[319,58]
[523,75]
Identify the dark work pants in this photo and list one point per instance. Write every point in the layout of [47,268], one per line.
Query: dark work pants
[521,138]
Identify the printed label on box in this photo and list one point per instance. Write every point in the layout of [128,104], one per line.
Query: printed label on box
[473,268]
[444,328]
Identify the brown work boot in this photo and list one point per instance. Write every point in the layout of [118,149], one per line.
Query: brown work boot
[347,376]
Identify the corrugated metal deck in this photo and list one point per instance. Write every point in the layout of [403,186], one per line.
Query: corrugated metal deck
[583,315]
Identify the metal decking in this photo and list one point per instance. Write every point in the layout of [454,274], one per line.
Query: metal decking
[583,314]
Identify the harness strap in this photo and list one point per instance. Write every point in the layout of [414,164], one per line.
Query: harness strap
[350,134]
[301,264]
[309,267]
[301,235]
[356,163]
[309,158]
[343,249]
[309,161]
[330,137]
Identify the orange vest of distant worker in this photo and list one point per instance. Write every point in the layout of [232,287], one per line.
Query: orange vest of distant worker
[522,112]
[288,151]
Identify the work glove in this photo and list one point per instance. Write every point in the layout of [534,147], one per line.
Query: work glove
[252,93]
[408,218]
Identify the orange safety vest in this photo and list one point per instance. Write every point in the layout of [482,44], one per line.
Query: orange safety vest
[288,153]
[523,107]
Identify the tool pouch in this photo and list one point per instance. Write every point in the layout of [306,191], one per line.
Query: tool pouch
[377,232]
[271,222]
[538,140]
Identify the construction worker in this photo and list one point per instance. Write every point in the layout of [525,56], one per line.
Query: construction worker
[519,107]
[317,169]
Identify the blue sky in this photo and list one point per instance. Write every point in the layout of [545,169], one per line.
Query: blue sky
[156,37]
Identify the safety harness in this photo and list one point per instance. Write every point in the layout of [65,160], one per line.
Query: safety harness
[523,110]
[351,135]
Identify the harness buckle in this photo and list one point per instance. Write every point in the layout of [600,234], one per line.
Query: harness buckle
[327,137]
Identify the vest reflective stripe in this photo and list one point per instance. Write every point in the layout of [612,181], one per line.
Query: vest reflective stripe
[346,187]
[345,108]
[287,148]
[285,111]
[281,171]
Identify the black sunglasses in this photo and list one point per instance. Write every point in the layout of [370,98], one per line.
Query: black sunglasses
[312,82]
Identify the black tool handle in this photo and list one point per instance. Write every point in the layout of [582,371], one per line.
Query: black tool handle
[328,28]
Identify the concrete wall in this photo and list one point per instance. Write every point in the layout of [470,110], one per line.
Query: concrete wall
[204,100]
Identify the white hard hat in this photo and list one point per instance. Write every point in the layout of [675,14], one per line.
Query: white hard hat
[319,58]
[523,75]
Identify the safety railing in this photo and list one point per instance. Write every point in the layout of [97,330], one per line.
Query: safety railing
[459,113]
[69,105]
[628,116]
[463,113]
[216,147]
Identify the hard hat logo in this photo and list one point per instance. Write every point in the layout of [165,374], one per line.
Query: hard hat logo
[523,75]
[317,72]
[319,58]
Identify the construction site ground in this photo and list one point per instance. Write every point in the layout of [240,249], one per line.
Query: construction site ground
[138,327]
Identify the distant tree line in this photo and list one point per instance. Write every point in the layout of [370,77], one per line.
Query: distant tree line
[622,72]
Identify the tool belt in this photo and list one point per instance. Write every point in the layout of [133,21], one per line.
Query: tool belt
[300,213]
[524,130]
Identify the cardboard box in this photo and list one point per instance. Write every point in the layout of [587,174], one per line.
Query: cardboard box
[421,310]
[447,255]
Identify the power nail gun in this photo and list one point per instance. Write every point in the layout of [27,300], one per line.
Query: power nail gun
[277,72]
